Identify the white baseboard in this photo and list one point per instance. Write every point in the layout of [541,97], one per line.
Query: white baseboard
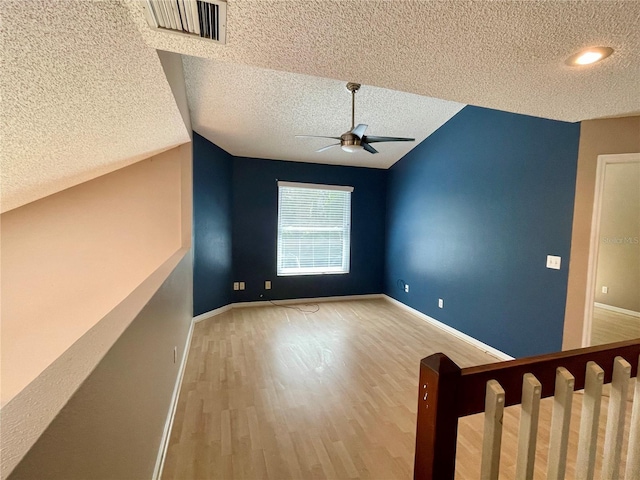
[212,313]
[293,301]
[617,309]
[166,434]
[288,301]
[457,333]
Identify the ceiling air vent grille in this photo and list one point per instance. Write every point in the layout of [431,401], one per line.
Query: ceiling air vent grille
[206,19]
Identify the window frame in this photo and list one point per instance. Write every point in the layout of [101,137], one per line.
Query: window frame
[345,268]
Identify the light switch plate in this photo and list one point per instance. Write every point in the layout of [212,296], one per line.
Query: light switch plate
[553,262]
[241,285]
[605,289]
[267,285]
[440,303]
[236,285]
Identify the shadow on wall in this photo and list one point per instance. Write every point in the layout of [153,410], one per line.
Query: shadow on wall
[212,273]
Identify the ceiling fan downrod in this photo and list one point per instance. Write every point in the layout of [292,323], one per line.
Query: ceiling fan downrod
[355,139]
[353,88]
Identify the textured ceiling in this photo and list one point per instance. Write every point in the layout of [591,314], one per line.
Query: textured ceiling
[82,95]
[253,112]
[497,54]
[83,92]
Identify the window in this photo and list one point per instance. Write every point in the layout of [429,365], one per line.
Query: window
[314,226]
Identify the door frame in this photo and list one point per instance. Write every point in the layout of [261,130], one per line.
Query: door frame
[594,244]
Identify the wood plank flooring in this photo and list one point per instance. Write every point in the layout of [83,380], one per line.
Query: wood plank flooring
[273,392]
[609,326]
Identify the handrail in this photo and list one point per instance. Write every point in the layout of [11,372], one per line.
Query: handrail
[473,380]
[447,392]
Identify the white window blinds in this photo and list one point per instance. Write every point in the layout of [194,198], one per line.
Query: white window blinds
[314,226]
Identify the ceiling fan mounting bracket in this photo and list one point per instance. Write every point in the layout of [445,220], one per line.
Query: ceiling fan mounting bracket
[353,87]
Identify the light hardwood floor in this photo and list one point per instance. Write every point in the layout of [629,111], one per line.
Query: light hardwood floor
[271,392]
[609,326]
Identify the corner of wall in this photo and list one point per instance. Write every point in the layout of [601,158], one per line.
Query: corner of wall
[597,137]
[174,72]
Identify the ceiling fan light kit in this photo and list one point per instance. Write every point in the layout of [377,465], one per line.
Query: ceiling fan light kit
[355,140]
[351,148]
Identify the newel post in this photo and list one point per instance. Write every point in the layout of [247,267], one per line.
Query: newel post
[437,425]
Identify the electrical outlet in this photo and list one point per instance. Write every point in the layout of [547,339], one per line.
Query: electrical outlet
[406,287]
[553,262]
[267,285]
[605,289]
[440,303]
[236,285]
[241,285]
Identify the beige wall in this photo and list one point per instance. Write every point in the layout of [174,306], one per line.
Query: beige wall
[70,258]
[77,267]
[597,137]
[619,243]
[112,426]
[81,267]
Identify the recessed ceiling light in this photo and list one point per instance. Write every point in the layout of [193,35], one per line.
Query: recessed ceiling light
[589,56]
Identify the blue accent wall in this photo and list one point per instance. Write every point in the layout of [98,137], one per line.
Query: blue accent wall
[255,217]
[212,268]
[472,213]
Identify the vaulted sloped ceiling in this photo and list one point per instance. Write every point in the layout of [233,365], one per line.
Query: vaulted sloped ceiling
[254,112]
[507,55]
[82,95]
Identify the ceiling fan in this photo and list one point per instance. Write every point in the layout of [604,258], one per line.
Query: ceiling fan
[355,139]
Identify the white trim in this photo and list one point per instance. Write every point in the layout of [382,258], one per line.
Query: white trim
[212,313]
[617,309]
[287,301]
[603,161]
[315,186]
[166,434]
[293,301]
[457,333]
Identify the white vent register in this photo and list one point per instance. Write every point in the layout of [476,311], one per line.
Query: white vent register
[206,19]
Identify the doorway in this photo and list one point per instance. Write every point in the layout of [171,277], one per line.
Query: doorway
[612,310]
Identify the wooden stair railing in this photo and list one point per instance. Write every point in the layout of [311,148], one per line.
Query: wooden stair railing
[446,392]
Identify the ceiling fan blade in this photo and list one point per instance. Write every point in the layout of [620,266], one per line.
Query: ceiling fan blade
[368,148]
[327,147]
[373,139]
[359,130]
[316,136]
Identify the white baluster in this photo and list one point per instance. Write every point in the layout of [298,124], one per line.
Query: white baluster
[633,453]
[527,436]
[492,440]
[615,419]
[560,422]
[586,460]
